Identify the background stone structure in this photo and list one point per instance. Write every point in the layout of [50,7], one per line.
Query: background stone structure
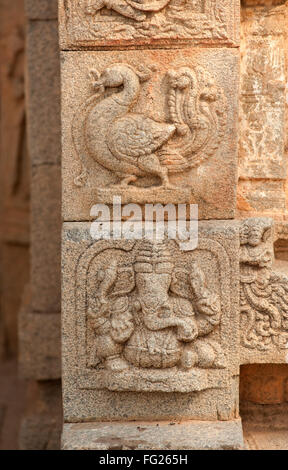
[35,126]
[262,190]
[15,174]
[263,152]
[39,319]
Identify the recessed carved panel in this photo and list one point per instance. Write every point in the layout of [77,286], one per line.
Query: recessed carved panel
[132,145]
[116,22]
[152,128]
[150,317]
[264,295]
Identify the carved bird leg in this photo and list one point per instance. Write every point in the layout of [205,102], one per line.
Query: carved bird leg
[150,164]
[94,6]
[126,10]
[120,6]
[127,179]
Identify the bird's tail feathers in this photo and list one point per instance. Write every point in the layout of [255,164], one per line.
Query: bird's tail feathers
[173,160]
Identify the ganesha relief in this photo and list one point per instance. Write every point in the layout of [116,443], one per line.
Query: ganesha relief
[153,314]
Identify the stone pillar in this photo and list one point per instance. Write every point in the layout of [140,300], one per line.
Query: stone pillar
[39,325]
[263,114]
[262,187]
[154,335]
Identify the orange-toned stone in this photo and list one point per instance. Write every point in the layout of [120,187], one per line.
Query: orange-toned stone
[199,153]
[90,23]
[264,384]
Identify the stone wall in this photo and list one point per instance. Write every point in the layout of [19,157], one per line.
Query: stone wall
[263,110]
[263,152]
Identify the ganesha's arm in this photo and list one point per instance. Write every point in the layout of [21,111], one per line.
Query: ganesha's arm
[206,303]
[208,313]
[122,325]
[154,323]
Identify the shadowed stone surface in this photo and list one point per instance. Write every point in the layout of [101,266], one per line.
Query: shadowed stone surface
[42,342]
[41,9]
[188,435]
[43,93]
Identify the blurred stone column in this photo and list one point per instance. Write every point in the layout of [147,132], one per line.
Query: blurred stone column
[14,174]
[39,328]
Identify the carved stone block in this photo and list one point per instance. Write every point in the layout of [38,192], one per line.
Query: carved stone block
[262,99]
[150,331]
[46,239]
[41,9]
[39,345]
[152,127]
[43,95]
[88,23]
[264,296]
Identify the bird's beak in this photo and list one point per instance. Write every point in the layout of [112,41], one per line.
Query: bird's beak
[98,84]
[94,74]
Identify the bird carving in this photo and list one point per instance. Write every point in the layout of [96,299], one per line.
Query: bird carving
[133,145]
[134,9]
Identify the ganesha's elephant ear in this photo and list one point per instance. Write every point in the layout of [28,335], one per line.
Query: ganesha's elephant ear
[124,283]
[180,283]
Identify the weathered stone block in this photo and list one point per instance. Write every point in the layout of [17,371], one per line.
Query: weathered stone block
[43,92]
[39,345]
[41,424]
[264,296]
[190,435]
[262,100]
[152,127]
[150,331]
[46,239]
[41,9]
[91,23]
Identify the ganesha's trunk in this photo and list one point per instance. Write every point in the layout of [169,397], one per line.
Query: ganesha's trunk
[154,323]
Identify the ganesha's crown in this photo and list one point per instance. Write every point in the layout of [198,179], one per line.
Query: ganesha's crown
[153,256]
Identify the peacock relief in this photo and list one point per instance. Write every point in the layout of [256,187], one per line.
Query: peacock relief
[133,145]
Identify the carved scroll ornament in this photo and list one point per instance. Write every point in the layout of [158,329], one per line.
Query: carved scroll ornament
[264,293]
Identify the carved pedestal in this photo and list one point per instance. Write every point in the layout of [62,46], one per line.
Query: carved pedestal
[154,335]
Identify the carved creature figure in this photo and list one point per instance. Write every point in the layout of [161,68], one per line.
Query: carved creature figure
[133,145]
[134,9]
[154,325]
[264,293]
